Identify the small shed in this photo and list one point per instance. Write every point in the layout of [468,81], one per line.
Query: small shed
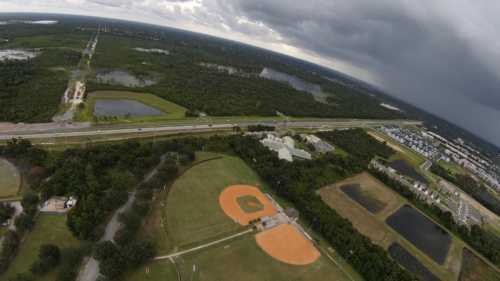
[265,219]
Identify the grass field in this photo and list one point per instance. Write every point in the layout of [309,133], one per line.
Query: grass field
[10,179]
[193,210]
[159,270]
[452,167]
[475,269]
[245,260]
[374,226]
[48,229]
[172,110]
[249,204]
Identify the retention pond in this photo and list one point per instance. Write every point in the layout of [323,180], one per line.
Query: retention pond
[296,83]
[112,107]
[403,167]
[423,233]
[356,193]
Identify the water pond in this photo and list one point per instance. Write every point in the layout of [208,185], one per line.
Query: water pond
[403,167]
[151,50]
[408,261]
[356,193]
[487,196]
[296,83]
[112,107]
[16,54]
[123,78]
[473,268]
[423,233]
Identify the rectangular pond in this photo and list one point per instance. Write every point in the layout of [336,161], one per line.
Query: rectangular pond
[296,83]
[408,261]
[355,192]
[403,167]
[119,108]
[123,78]
[420,231]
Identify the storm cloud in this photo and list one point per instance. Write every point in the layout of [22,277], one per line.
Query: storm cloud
[441,56]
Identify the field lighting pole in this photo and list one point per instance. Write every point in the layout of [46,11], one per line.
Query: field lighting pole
[311,225]
[276,189]
[235,224]
[66,136]
[154,140]
[252,166]
[350,252]
[194,269]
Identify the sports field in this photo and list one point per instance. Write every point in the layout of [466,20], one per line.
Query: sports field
[172,110]
[159,270]
[374,226]
[10,179]
[245,260]
[192,208]
[48,229]
[249,204]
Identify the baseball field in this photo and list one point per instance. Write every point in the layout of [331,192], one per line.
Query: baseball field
[10,179]
[193,212]
[245,260]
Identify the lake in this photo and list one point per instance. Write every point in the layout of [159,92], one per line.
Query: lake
[119,108]
[355,192]
[16,54]
[151,50]
[423,233]
[296,83]
[123,78]
[403,167]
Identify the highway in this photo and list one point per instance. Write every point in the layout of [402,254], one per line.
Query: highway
[183,126]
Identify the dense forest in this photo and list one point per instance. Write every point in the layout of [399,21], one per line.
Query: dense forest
[358,143]
[30,90]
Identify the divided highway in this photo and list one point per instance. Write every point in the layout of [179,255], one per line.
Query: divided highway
[181,126]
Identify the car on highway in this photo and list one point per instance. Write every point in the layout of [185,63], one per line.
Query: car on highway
[139,129]
[98,131]
[19,137]
[210,125]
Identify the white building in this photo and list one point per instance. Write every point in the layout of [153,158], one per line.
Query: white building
[285,148]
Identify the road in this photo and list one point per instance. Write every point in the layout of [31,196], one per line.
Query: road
[91,271]
[52,132]
[18,210]
[202,246]
[424,169]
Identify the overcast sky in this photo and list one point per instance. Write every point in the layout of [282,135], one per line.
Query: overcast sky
[442,56]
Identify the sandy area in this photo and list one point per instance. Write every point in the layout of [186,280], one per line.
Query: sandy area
[285,243]
[391,145]
[227,201]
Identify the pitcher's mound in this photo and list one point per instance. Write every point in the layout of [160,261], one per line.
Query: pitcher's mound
[285,243]
[253,204]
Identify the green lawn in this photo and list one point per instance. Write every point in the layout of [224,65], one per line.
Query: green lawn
[48,229]
[245,260]
[159,270]
[172,110]
[451,166]
[10,179]
[475,269]
[249,204]
[192,209]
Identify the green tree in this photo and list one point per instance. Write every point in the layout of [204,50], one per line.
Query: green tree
[105,250]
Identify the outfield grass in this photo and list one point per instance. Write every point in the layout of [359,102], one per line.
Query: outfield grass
[245,260]
[10,179]
[172,110]
[159,270]
[249,204]
[193,211]
[374,226]
[48,229]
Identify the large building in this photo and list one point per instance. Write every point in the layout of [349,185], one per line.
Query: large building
[285,147]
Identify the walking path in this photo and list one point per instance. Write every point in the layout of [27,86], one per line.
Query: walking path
[202,246]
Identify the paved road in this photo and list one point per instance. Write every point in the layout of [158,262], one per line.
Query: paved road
[128,129]
[201,247]
[18,210]
[91,272]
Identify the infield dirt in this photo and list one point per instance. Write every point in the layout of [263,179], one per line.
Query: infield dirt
[230,206]
[285,243]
